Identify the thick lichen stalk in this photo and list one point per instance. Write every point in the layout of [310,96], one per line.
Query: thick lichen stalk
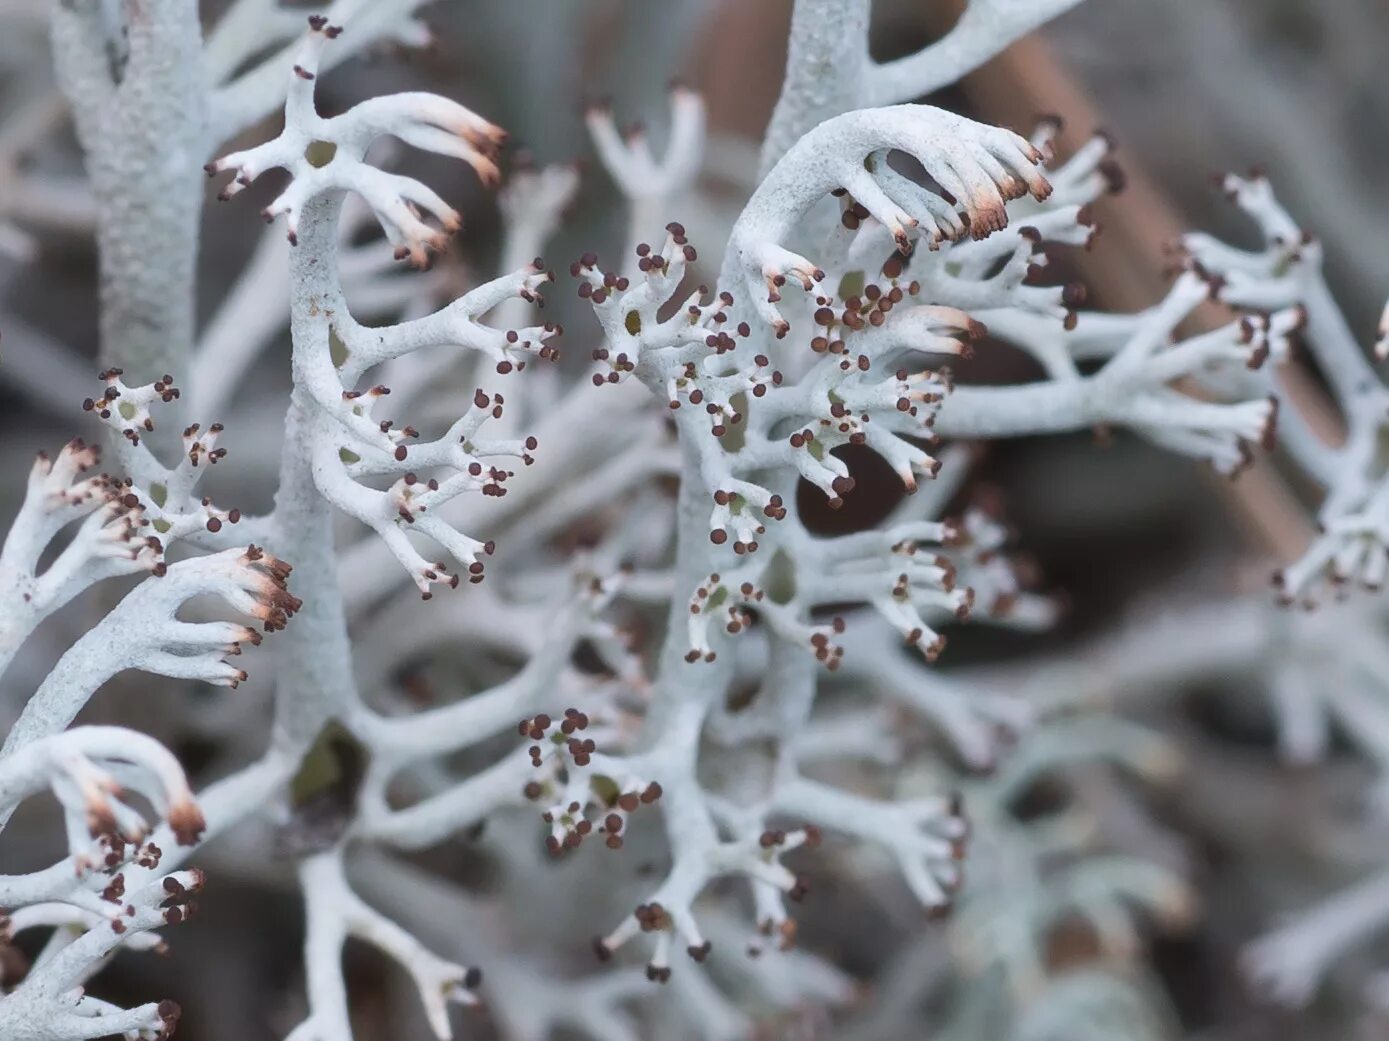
[315,680]
[682,681]
[825,62]
[139,108]
[687,691]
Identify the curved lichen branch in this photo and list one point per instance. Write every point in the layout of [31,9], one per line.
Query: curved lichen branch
[668,917]
[829,70]
[49,1004]
[352,443]
[90,770]
[861,382]
[977,169]
[984,29]
[547,682]
[126,523]
[925,836]
[1286,272]
[460,324]
[144,632]
[756,414]
[349,445]
[107,542]
[325,155]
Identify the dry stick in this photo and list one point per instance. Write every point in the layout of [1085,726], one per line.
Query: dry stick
[1125,270]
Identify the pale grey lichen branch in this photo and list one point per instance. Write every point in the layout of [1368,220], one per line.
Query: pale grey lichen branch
[984,29]
[84,897]
[50,1004]
[702,359]
[99,822]
[136,93]
[802,352]
[240,97]
[756,409]
[651,185]
[107,541]
[144,632]
[345,441]
[336,913]
[1353,543]
[326,155]
[829,70]
[1290,962]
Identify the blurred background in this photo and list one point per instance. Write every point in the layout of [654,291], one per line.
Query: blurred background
[1187,88]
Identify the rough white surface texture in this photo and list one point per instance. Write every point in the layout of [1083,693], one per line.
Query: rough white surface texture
[667,658]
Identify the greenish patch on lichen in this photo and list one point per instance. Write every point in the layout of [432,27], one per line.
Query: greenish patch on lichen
[320,153]
[779,580]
